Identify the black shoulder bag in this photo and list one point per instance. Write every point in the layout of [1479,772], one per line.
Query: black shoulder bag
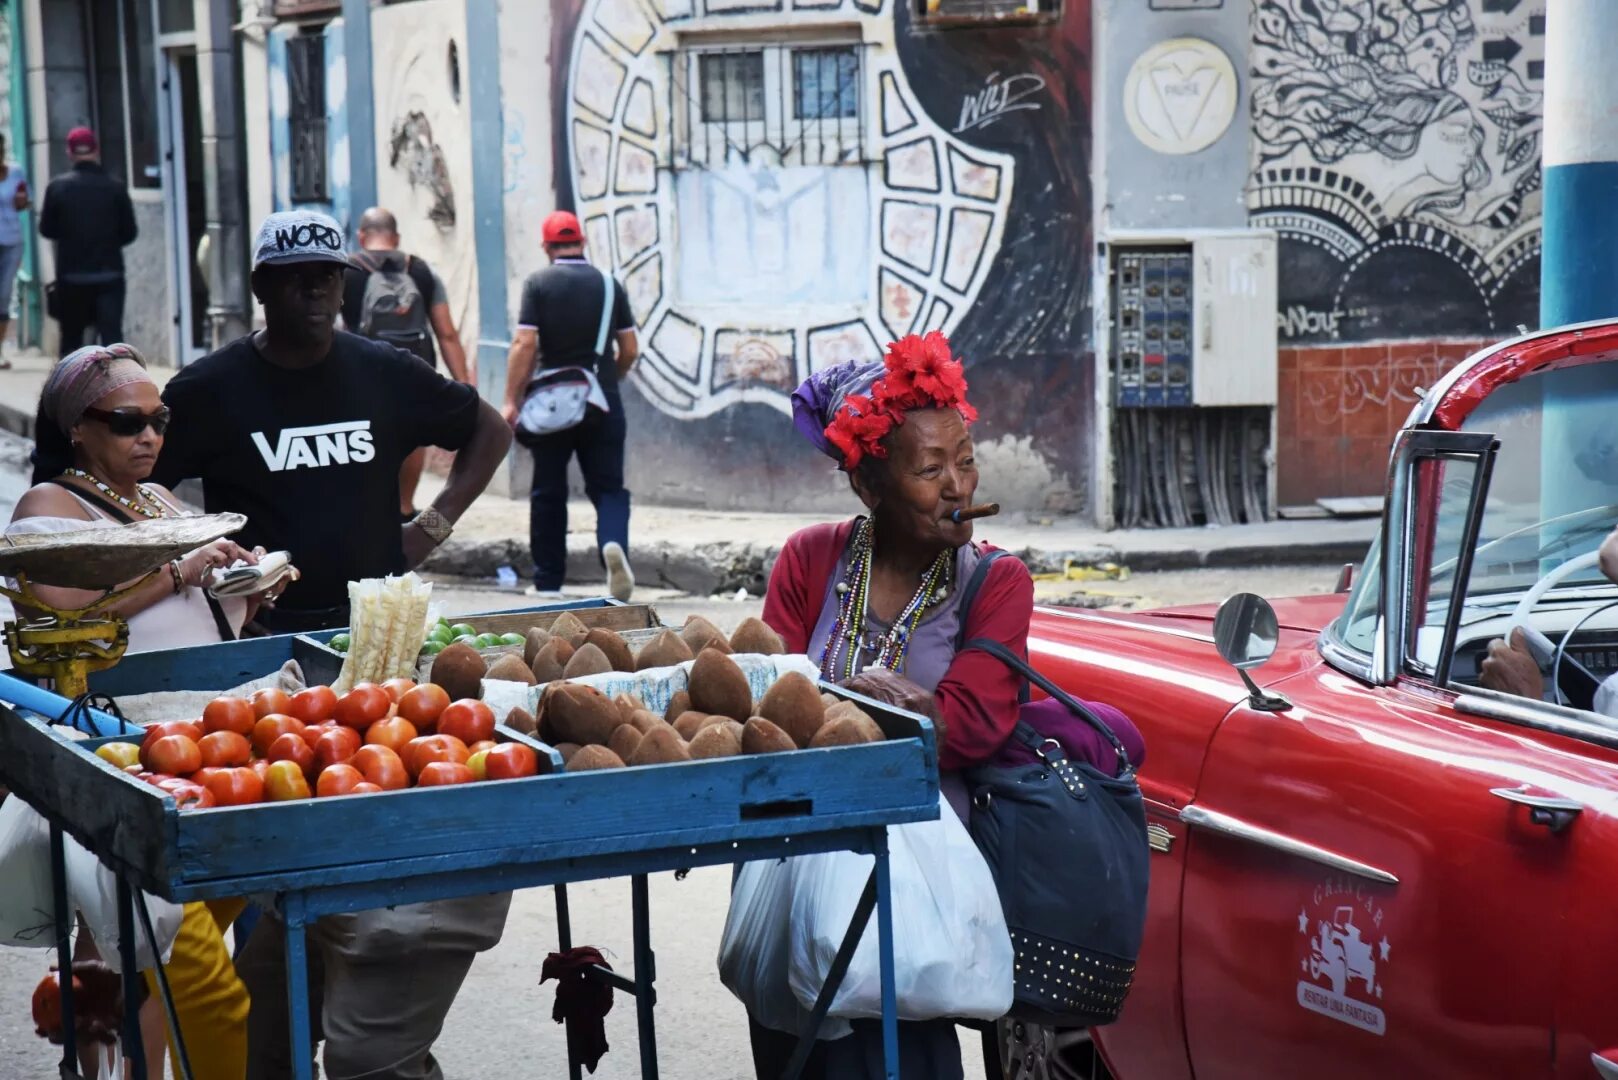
[1068,849]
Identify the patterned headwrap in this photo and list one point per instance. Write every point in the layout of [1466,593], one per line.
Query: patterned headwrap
[846,411]
[87,375]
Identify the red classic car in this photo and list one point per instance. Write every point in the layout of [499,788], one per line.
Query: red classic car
[1366,864]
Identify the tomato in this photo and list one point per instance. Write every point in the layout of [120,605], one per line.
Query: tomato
[511,760]
[291,747]
[382,767]
[48,1004]
[468,720]
[236,787]
[121,755]
[363,706]
[206,773]
[419,753]
[285,781]
[398,688]
[423,705]
[189,729]
[337,780]
[393,733]
[476,764]
[173,754]
[364,787]
[312,732]
[260,767]
[437,773]
[272,727]
[190,796]
[266,702]
[335,747]
[225,748]
[481,744]
[313,705]
[156,779]
[229,714]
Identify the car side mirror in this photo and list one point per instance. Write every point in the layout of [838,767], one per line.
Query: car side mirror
[1246,633]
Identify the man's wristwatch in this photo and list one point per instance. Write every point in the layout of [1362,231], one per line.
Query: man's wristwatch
[435,525]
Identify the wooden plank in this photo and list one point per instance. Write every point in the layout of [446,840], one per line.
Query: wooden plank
[616,617]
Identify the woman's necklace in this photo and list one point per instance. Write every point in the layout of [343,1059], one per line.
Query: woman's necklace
[145,504]
[841,657]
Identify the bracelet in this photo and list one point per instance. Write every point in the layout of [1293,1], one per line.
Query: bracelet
[435,525]
[174,572]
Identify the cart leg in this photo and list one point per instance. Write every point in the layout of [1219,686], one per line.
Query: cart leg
[170,1014]
[834,978]
[645,976]
[293,909]
[884,930]
[564,942]
[64,948]
[134,1049]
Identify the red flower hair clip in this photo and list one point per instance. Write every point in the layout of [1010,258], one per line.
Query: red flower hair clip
[920,373]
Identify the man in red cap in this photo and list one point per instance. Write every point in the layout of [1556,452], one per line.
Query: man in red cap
[89,215]
[573,319]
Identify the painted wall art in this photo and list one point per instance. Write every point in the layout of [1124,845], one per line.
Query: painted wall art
[1396,149]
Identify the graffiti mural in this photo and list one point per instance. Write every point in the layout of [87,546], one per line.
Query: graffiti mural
[1396,151]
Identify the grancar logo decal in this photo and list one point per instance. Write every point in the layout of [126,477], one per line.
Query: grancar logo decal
[317,447]
[1343,953]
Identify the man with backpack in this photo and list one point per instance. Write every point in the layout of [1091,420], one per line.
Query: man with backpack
[396,297]
[575,321]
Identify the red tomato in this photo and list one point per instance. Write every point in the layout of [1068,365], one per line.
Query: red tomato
[419,753]
[260,767]
[285,781]
[398,688]
[173,754]
[423,705]
[393,733]
[437,773]
[291,747]
[206,773]
[189,729]
[266,702]
[225,748]
[48,1004]
[312,732]
[157,779]
[335,748]
[313,705]
[337,780]
[481,744]
[191,796]
[237,787]
[363,706]
[229,714]
[468,720]
[364,787]
[382,767]
[510,760]
[272,727]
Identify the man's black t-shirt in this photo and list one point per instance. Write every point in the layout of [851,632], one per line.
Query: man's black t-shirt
[563,303]
[312,456]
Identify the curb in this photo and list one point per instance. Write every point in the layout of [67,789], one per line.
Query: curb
[17,421]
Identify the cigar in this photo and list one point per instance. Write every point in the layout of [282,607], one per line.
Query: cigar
[972,513]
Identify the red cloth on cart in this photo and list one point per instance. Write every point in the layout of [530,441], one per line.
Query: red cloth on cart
[582,1003]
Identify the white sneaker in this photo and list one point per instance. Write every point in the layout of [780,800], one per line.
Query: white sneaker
[542,594]
[620,578]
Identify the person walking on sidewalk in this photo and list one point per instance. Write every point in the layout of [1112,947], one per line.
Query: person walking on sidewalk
[13,201]
[560,324]
[396,297]
[89,215]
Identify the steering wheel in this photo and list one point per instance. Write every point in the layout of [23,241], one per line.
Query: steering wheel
[1543,648]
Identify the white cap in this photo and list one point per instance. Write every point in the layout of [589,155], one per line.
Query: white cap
[298,236]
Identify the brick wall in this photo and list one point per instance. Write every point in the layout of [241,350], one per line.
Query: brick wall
[1339,407]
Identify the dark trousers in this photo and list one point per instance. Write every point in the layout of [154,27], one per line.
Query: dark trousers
[928,1050]
[84,306]
[599,444]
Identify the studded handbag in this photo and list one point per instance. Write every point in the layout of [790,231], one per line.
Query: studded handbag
[1068,848]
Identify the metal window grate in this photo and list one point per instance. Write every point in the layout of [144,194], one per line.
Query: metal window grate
[776,104]
[306,83]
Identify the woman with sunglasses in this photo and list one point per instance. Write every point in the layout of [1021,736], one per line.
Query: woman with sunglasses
[98,431]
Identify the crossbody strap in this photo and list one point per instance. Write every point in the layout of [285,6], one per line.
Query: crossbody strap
[606,311]
[1026,734]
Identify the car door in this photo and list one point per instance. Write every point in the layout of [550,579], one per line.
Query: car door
[1360,900]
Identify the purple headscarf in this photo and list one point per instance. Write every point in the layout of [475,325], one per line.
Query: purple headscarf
[85,376]
[822,394]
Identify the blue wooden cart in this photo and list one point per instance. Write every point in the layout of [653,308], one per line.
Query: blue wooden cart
[436,843]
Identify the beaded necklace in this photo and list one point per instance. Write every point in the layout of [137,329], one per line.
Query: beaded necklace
[153,509]
[844,645]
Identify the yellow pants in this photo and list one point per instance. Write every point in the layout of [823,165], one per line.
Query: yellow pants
[209,999]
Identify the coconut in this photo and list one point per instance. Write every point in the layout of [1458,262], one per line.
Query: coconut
[665,650]
[793,705]
[719,688]
[594,757]
[459,670]
[753,636]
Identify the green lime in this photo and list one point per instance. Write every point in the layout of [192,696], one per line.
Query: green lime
[489,641]
[467,639]
[340,642]
[464,630]
[442,634]
[442,621]
[513,639]
[432,647]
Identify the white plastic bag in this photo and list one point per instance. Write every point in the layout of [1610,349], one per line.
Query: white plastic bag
[94,891]
[952,951]
[27,907]
[755,950]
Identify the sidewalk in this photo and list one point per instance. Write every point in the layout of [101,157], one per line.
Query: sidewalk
[701,553]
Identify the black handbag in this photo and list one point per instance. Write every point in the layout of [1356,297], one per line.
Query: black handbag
[1068,848]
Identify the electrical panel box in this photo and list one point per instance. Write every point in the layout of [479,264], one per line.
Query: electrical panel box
[1193,319]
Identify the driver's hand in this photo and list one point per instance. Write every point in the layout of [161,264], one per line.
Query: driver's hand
[1512,669]
[1609,557]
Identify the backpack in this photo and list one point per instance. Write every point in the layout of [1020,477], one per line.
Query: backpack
[393,308]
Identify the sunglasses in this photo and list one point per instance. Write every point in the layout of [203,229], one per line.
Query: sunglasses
[130,422]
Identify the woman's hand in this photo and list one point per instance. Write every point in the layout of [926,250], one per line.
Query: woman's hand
[195,567]
[880,684]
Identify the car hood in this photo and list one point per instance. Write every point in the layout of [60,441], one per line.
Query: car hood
[1302,614]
